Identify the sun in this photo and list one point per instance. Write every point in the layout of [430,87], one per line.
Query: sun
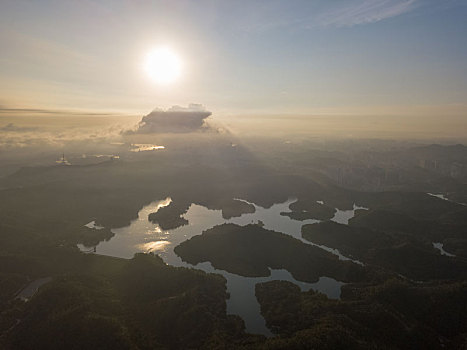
[163,66]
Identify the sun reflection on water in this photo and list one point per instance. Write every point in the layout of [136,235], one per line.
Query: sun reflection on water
[142,147]
[155,246]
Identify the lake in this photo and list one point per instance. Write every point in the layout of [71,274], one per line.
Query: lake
[144,236]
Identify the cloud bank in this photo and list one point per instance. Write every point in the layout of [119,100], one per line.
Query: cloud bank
[22,128]
[176,119]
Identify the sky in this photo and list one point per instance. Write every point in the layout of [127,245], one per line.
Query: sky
[383,57]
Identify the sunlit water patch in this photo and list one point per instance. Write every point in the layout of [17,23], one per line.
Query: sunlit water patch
[143,147]
[143,236]
[439,195]
[343,216]
[444,198]
[93,225]
[439,246]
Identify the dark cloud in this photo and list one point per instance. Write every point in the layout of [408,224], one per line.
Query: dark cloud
[176,119]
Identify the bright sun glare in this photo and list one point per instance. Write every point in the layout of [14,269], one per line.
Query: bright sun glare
[163,66]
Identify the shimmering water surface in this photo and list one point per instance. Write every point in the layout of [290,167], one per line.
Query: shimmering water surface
[143,147]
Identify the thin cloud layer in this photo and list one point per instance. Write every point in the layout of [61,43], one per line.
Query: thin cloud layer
[365,11]
[36,137]
[11,127]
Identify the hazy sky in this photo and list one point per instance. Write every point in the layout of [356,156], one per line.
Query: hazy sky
[269,56]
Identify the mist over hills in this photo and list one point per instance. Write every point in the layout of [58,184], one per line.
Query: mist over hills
[405,202]
[44,207]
